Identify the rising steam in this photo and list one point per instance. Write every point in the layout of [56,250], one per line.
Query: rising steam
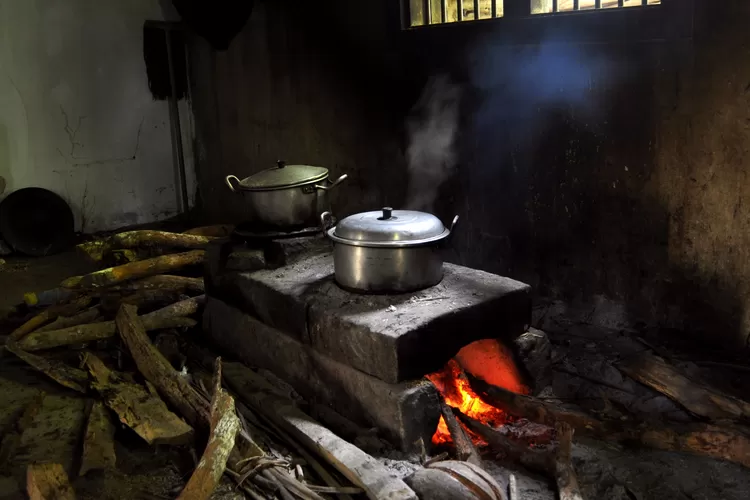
[432,128]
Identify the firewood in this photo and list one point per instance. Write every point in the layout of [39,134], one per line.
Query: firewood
[182,284]
[143,299]
[217,231]
[513,488]
[565,476]
[354,464]
[138,408]
[48,482]
[135,270]
[97,250]
[156,369]
[50,314]
[99,441]
[171,316]
[697,397]
[538,460]
[65,375]
[12,436]
[87,316]
[223,429]
[465,449]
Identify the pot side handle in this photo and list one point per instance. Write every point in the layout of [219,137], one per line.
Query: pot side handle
[333,184]
[452,228]
[228,180]
[326,222]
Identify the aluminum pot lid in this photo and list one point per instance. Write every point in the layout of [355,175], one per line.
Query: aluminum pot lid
[388,227]
[283,176]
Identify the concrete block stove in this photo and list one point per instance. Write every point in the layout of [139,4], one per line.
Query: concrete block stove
[275,305]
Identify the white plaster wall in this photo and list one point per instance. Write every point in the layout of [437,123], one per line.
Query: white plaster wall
[76,115]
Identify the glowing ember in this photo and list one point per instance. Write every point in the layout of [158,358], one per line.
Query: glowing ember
[486,359]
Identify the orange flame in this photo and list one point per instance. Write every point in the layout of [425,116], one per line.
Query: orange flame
[485,359]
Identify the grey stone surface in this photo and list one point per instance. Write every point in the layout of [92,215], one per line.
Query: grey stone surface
[393,337]
[407,412]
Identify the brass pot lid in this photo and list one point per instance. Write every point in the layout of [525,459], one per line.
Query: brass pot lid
[283,176]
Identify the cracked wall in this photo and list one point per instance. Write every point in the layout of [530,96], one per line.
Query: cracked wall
[78,117]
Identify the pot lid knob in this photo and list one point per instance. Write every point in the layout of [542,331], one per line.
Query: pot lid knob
[387,213]
[281,164]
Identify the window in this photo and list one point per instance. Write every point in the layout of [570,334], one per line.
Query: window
[452,11]
[551,6]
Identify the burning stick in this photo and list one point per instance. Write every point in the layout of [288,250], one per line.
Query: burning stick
[465,449]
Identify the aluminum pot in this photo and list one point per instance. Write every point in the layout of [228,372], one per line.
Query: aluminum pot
[286,195]
[388,251]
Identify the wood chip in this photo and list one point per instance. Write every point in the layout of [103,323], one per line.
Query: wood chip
[99,441]
[48,482]
[65,375]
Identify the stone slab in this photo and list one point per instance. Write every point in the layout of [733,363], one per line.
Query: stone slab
[407,412]
[392,337]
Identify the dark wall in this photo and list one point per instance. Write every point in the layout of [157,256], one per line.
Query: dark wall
[602,156]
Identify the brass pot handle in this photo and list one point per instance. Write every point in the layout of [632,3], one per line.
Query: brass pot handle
[228,180]
[333,184]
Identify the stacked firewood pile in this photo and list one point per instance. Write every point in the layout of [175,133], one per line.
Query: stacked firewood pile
[94,338]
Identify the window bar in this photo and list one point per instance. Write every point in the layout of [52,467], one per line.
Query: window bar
[460,10]
[426,12]
[443,11]
[644,2]
[554,5]
[476,10]
[598,4]
[621,3]
[575,4]
[494,8]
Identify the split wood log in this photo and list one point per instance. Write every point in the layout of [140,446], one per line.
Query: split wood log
[513,488]
[138,408]
[12,436]
[217,231]
[183,284]
[697,397]
[354,464]
[87,316]
[50,314]
[135,270]
[565,476]
[465,449]
[48,482]
[174,387]
[97,250]
[480,484]
[99,441]
[65,375]
[171,316]
[720,442]
[143,299]
[223,429]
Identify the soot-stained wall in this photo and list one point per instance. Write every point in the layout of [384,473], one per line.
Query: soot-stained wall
[601,157]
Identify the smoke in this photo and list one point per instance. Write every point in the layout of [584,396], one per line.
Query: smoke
[432,127]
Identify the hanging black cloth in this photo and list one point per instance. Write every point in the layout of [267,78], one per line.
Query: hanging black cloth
[218,21]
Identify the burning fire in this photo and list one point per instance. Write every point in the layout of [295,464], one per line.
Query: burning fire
[485,359]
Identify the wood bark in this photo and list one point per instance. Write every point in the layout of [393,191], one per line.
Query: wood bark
[97,250]
[182,284]
[171,316]
[138,408]
[224,427]
[135,270]
[697,397]
[565,476]
[99,441]
[48,482]
[65,375]
[156,369]
[465,449]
